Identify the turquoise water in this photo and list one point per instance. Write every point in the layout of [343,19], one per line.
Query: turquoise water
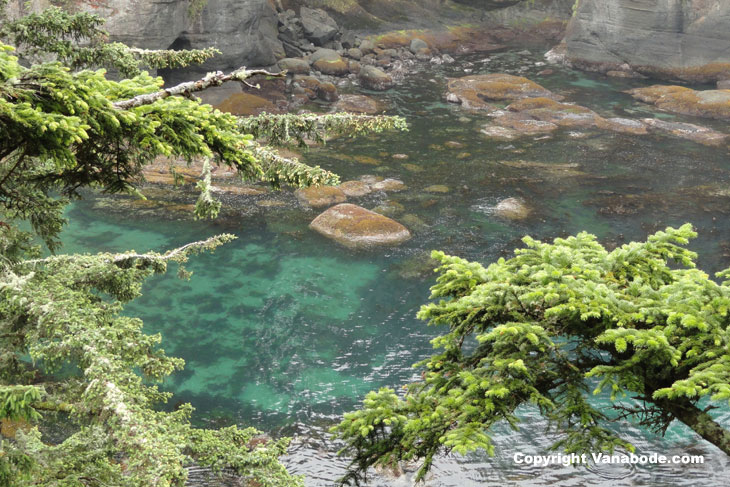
[285,330]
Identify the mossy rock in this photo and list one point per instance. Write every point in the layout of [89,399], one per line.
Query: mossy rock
[337,67]
[355,189]
[389,208]
[320,196]
[476,91]
[246,104]
[357,104]
[686,101]
[358,228]
[437,188]
[389,184]
[420,266]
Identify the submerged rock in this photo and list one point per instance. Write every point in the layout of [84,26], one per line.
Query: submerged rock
[357,104]
[689,131]
[437,188]
[355,189]
[389,208]
[622,125]
[512,209]
[320,196]
[551,111]
[246,104]
[686,101]
[358,228]
[389,184]
[499,133]
[474,92]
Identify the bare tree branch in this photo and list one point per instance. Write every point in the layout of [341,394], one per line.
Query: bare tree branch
[184,89]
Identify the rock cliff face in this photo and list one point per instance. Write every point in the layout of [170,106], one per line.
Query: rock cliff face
[245,31]
[677,39]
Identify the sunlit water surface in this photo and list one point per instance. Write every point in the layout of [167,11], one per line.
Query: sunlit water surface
[285,330]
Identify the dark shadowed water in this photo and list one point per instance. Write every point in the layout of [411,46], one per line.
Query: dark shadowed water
[285,330]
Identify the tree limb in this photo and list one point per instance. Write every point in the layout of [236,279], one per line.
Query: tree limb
[167,256]
[700,422]
[183,89]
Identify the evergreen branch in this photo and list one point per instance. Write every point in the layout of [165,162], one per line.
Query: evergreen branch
[171,255]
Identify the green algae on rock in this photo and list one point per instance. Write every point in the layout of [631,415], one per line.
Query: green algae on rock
[476,91]
[686,101]
[320,196]
[358,228]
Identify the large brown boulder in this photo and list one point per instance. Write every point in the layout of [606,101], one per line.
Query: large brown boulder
[679,99]
[475,91]
[358,228]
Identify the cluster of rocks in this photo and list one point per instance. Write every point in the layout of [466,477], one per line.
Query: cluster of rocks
[351,225]
[374,67]
[320,54]
[535,110]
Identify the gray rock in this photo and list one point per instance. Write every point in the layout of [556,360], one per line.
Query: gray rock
[354,53]
[328,61]
[290,27]
[374,78]
[348,39]
[367,46]
[318,26]
[292,50]
[325,54]
[723,84]
[245,31]
[294,65]
[417,45]
[665,38]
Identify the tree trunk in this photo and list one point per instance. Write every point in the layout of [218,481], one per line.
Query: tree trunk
[701,423]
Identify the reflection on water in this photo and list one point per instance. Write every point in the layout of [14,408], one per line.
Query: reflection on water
[285,330]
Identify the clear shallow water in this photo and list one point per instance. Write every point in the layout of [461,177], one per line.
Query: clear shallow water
[285,330]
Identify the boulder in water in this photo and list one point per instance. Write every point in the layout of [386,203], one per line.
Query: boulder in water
[355,189]
[320,196]
[512,209]
[374,78]
[686,101]
[474,92]
[358,228]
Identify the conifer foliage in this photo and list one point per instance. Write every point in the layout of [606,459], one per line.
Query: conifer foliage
[550,327]
[79,403]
